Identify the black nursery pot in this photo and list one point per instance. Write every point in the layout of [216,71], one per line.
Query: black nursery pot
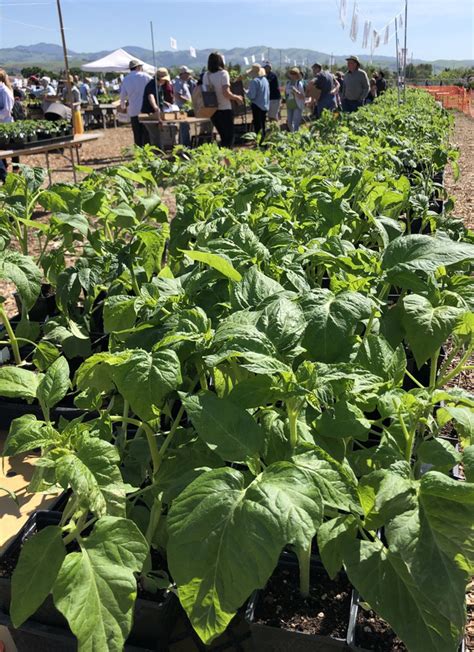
[271,638]
[48,630]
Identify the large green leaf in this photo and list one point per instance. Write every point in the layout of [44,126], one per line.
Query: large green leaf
[26,434]
[22,271]
[119,313]
[16,382]
[383,580]
[217,262]
[377,356]
[427,327]
[96,587]
[35,573]
[225,537]
[332,320]
[436,540]
[254,289]
[284,323]
[412,253]
[337,487]
[55,383]
[343,420]
[145,380]
[225,427]
[93,474]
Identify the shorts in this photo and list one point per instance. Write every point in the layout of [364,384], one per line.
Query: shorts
[274,109]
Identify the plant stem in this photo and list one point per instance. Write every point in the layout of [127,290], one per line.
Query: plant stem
[11,335]
[417,382]
[150,435]
[408,437]
[304,562]
[457,369]
[369,325]
[293,421]
[434,369]
[155,516]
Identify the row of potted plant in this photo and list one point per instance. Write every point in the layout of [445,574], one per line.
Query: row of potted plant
[16,135]
[274,378]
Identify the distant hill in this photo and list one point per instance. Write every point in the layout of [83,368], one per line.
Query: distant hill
[50,56]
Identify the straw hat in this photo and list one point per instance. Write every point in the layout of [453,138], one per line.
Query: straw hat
[257,70]
[162,73]
[295,71]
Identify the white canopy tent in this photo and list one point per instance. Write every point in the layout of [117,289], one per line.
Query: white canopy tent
[115,62]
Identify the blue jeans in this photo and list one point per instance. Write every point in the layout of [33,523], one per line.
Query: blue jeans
[294,119]
[349,106]
[328,103]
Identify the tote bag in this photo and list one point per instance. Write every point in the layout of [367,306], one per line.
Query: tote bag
[204,102]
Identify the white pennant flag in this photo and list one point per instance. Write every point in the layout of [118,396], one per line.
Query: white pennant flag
[173,43]
[342,12]
[294,61]
[400,21]
[253,58]
[263,56]
[354,23]
[246,61]
[365,38]
[386,38]
[192,52]
[377,40]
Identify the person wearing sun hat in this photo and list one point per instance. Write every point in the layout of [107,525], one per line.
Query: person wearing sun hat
[131,93]
[356,85]
[158,95]
[295,99]
[259,96]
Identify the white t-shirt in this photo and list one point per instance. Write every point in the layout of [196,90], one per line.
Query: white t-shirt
[133,88]
[216,81]
[6,103]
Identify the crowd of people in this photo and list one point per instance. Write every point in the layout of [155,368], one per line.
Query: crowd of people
[141,93]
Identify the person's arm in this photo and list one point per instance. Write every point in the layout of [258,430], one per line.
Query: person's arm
[123,97]
[336,87]
[226,92]
[365,86]
[252,91]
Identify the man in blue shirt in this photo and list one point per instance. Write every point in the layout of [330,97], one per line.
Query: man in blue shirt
[325,90]
[259,96]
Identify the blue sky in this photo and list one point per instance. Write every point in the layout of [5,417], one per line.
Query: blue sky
[437,28]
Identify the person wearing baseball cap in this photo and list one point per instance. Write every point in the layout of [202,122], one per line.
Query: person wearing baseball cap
[259,96]
[183,86]
[356,85]
[131,99]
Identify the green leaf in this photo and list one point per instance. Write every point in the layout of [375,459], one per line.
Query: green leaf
[464,418]
[93,474]
[22,271]
[96,588]
[145,380]
[216,262]
[40,559]
[45,354]
[283,322]
[119,313]
[412,253]
[254,289]
[439,453]
[336,486]
[377,356]
[435,538]
[343,420]
[333,535]
[54,385]
[225,538]
[96,371]
[26,434]
[468,463]
[427,327]
[383,581]
[16,382]
[332,319]
[225,427]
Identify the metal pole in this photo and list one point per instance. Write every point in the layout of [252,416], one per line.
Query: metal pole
[405,50]
[398,61]
[154,60]
[66,60]
[280,61]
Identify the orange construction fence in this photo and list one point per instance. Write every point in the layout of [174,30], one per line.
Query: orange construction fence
[453,97]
